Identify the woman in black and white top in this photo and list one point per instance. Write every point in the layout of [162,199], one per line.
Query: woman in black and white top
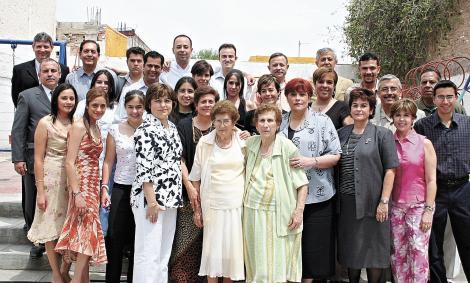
[120,146]
[157,188]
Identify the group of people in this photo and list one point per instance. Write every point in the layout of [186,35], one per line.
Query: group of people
[210,174]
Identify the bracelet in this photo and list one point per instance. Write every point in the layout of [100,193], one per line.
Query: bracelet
[39,181]
[316,161]
[384,200]
[105,186]
[429,208]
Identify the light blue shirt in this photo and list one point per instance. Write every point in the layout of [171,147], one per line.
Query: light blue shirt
[81,81]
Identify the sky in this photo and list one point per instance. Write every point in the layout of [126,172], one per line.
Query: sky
[256,27]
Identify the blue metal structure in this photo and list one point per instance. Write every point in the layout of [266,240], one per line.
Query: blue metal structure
[62,44]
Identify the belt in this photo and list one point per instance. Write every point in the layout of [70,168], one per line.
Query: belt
[453,182]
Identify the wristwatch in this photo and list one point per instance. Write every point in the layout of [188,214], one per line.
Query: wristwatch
[384,200]
[429,208]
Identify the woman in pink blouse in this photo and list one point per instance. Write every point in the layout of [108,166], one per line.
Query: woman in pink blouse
[413,195]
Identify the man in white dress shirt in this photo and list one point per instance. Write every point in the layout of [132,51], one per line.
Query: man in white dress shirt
[182,48]
[153,62]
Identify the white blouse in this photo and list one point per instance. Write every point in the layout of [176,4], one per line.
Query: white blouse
[125,156]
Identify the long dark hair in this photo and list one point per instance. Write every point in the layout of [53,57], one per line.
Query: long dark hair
[112,95]
[176,109]
[239,75]
[55,101]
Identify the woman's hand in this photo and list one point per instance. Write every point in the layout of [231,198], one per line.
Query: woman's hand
[193,196]
[382,212]
[244,135]
[296,219]
[41,201]
[197,217]
[152,212]
[80,203]
[426,221]
[105,199]
[301,162]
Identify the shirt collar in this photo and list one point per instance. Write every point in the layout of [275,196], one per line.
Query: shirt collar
[37,66]
[219,74]
[412,137]
[437,121]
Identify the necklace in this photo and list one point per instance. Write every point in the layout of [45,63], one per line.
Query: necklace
[222,146]
[354,148]
[268,152]
[129,123]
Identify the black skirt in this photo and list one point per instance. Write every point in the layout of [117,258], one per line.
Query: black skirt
[318,240]
[362,243]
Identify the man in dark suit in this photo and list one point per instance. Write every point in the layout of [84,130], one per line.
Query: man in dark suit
[33,104]
[25,75]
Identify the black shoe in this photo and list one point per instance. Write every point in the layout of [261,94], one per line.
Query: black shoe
[36,251]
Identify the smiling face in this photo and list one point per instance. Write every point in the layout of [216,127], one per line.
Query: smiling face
[389,92]
[278,67]
[202,79]
[327,59]
[96,108]
[205,104]
[185,95]
[403,121]
[102,83]
[182,49]
[135,109]
[268,94]
[89,54]
[361,110]
[161,107]
[66,101]
[445,100]
[233,87]
[369,70]
[227,58]
[325,86]
[49,74]
[266,124]
[152,70]
[42,50]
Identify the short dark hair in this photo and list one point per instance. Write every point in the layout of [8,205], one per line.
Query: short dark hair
[183,35]
[277,54]
[431,70]
[200,67]
[365,94]
[268,79]
[205,90]
[298,84]
[112,96]
[444,84]
[55,101]
[228,45]
[318,74]
[135,50]
[42,36]
[89,41]
[155,55]
[156,91]
[183,80]
[369,56]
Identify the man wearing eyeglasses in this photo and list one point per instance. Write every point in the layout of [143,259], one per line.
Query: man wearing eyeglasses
[389,90]
[428,79]
[450,133]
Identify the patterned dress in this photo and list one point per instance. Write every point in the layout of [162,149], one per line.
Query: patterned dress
[48,223]
[83,233]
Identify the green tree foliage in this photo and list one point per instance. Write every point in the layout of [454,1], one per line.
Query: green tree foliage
[206,54]
[398,31]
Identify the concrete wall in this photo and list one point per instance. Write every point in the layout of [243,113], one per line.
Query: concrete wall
[19,19]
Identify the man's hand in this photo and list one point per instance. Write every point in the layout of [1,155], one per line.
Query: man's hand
[20,168]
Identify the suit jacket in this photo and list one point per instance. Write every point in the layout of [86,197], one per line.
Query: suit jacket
[25,77]
[33,104]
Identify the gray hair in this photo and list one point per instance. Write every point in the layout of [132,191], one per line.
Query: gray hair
[49,60]
[324,50]
[42,36]
[389,77]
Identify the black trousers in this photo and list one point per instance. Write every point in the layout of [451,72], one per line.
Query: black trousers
[28,198]
[455,202]
[121,230]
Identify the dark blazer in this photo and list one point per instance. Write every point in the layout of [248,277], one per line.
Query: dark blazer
[25,77]
[375,152]
[33,104]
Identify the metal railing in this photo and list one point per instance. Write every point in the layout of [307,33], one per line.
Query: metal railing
[15,42]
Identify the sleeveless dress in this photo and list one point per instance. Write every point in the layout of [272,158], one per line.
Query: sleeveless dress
[48,223]
[83,233]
